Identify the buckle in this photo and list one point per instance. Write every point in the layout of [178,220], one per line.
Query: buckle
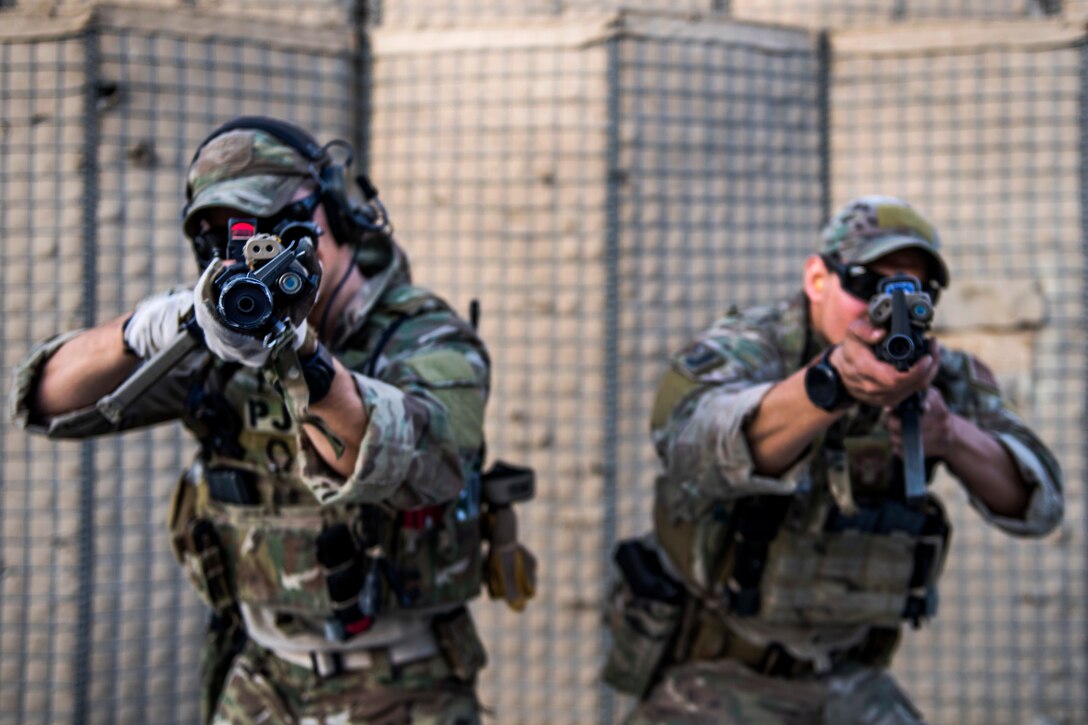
[326,664]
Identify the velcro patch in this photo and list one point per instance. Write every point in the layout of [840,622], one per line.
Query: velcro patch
[443,366]
[674,388]
[700,357]
[982,376]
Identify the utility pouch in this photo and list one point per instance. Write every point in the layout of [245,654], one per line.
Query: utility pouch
[344,578]
[182,510]
[196,544]
[459,644]
[644,613]
[207,569]
[510,569]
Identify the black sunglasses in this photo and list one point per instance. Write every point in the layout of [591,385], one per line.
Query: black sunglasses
[212,243]
[863,283]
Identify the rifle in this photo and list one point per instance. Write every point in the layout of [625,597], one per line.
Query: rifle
[906,312]
[249,295]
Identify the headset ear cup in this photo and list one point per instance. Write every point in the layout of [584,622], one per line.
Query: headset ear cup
[336,205]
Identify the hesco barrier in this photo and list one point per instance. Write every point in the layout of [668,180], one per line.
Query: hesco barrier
[983,128]
[570,176]
[605,183]
[101,114]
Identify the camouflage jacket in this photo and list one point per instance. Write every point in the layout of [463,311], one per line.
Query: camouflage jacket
[423,376]
[715,385]
[823,584]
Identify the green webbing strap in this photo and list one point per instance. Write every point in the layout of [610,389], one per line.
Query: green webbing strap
[296,393]
[838,469]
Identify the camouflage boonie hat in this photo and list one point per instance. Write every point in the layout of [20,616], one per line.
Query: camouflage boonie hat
[244,169]
[871,227]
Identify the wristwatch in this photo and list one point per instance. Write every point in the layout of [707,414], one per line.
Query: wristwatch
[824,386]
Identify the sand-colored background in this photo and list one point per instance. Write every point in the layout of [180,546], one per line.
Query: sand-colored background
[606,178]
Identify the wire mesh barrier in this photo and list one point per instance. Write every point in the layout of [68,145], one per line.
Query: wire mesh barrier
[605,184]
[100,119]
[591,243]
[493,156]
[982,131]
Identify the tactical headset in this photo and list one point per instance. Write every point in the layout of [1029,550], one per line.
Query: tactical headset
[349,222]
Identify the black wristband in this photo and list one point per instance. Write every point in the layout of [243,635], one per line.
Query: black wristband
[318,371]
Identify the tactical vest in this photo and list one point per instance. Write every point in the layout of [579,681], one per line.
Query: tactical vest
[248,530]
[800,560]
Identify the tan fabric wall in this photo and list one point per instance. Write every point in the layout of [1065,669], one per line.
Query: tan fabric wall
[467,13]
[329,14]
[877,13]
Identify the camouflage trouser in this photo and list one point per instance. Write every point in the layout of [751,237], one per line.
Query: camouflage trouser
[261,688]
[725,691]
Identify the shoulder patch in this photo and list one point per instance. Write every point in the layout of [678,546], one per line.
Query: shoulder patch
[699,358]
[674,387]
[442,367]
[981,376]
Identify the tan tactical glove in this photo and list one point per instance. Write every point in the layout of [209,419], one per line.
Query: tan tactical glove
[511,568]
[156,323]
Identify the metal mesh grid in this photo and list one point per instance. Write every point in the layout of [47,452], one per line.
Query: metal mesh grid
[982,141]
[41,92]
[157,94]
[491,158]
[720,163]
[719,202]
[500,167]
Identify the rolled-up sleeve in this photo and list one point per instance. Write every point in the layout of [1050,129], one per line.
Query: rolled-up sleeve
[711,391]
[425,410]
[706,449]
[1039,470]
[25,383]
[972,391]
[164,401]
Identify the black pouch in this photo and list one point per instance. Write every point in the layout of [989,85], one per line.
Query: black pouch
[644,613]
[456,635]
[344,578]
[233,485]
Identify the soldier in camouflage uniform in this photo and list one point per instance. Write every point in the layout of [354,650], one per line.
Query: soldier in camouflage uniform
[784,557]
[336,536]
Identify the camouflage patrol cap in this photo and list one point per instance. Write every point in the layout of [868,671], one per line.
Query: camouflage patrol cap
[245,169]
[871,227]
